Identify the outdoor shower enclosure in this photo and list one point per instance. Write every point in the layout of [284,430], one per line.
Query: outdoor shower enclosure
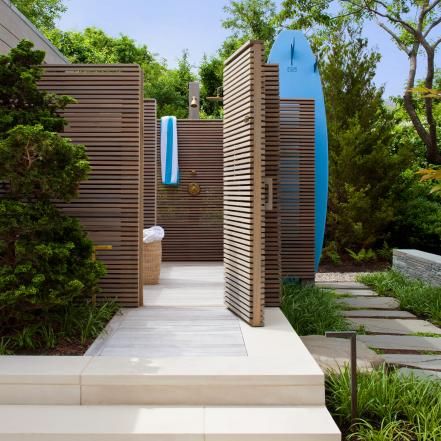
[254,208]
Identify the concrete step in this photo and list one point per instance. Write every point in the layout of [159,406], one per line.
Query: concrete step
[199,381]
[126,423]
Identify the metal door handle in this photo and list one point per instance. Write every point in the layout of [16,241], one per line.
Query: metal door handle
[269,193]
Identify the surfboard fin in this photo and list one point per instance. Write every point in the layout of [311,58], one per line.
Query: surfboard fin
[293,45]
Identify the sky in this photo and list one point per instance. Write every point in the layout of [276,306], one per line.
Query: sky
[168,27]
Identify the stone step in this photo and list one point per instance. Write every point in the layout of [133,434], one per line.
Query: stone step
[334,353]
[431,362]
[338,285]
[402,342]
[420,373]
[370,302]
[394,326]
[126,423]
[356,292]
[379,313]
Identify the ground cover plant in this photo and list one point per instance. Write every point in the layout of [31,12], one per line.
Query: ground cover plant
[48,276]
[391,407]
[414,295]
[312,310]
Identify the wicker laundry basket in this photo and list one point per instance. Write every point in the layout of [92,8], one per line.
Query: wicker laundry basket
[152,262]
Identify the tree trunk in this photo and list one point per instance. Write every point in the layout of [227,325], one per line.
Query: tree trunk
[433,154]
[429,138]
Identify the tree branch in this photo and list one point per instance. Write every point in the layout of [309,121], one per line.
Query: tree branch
[400,44]
[435,23]
[430,7]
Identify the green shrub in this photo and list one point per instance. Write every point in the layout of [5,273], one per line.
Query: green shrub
[46,263]
[418,215]
[312,310]
[54,166]
[390,406]
[414,295]
[46,258]
[362,256]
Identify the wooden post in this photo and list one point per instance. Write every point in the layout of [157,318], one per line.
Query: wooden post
[193,100]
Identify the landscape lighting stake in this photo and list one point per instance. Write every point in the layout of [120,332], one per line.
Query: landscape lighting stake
[352,335]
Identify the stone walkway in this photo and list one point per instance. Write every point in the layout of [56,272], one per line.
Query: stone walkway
[400,337]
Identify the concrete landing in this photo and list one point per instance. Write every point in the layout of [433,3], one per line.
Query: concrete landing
[187,284]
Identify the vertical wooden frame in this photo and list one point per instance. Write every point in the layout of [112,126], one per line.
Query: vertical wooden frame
[244,162]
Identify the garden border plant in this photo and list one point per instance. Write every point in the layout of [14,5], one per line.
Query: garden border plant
[414,295]
[312,310]
[47,274]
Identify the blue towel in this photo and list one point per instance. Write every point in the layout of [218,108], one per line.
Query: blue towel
[169,151]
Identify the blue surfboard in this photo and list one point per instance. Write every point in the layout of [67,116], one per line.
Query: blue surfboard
[299,78]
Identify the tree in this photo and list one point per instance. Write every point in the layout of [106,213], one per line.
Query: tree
[168,86]
[171,89]
[45,256]
[42,13]
[252,20]
[410,23]
[248,20]
[363,167]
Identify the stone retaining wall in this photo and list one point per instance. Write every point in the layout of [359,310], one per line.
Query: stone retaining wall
[419,265]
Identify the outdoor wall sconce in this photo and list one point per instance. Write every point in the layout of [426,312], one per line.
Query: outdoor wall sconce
[194,102]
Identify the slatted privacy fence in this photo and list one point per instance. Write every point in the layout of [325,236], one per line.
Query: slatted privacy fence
[297,188]
[244,201]
[193,223]
[108,118]
[150,161]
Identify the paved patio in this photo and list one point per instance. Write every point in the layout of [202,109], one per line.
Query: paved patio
[183,316]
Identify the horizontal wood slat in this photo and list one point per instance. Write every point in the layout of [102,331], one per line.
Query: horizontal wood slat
[193,224]
[244,156]
[107,118]
[150,161]
[297,188]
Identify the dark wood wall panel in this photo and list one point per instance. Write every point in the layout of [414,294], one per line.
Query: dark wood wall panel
[150,161]
[193,224]
[297,188]
[272,159]
[244,163]
[108,118]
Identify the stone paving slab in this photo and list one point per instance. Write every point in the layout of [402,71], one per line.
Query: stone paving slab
[394,326]
[356,292]
[431,362]
[370,302]
[402,342]
[337,285]
[379,313]
[421,373]
[334,353]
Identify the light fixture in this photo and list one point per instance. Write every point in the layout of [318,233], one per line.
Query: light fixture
[194,102]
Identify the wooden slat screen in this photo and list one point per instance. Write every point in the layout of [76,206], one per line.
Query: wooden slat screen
[150,161]
[244,150]
[107,118]
[297,188]
[272,158]
[193,224]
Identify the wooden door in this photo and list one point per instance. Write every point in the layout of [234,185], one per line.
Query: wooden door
[244,183]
